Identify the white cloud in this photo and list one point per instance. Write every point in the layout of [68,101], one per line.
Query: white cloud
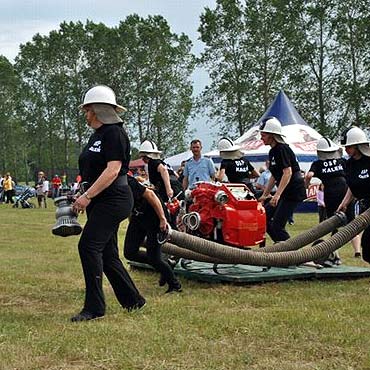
[20,32]
[20,20]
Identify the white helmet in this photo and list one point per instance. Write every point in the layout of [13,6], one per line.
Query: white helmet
[226,145]
[271,125]
[102,94]
[149,149]
[324,144]
[353,136]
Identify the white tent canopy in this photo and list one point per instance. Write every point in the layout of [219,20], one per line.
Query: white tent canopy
[175,160]
[301,138]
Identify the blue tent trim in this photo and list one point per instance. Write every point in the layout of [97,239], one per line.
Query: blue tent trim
[284,111]
[264,157]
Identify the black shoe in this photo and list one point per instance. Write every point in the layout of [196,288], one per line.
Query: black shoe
[137,306]
[172,263]
[162,280]
[357,255]
[85,316]
[174,288]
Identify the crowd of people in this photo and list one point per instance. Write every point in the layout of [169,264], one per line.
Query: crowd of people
[111,193]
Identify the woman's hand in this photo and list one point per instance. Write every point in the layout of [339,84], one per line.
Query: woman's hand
[170,193]
[341,208]
[80,204]
[163,224]
[275,200]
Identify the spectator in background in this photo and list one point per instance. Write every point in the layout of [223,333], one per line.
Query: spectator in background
[197,168]
[39,186]
[1,189]
[321,203]
[263,180]
[64,179]
[45,189]
[8,185]
[56,184]
[180,172]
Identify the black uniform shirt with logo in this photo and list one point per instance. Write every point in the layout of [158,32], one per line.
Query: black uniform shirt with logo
[280,157]
[358,177]
[332,174]
[156,178]
[142,210]
[107,143]
[237,170]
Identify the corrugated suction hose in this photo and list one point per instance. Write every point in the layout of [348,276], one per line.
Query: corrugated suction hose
[175,250]
[276,259]
[309,236]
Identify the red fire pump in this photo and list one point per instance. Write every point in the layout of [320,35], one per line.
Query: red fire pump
[223,212]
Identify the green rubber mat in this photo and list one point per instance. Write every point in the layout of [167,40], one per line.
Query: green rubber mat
[245,274]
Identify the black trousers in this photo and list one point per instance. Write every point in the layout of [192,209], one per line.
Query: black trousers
[365,239]
[9,196]
[99,253]
[136,232]
[277,218]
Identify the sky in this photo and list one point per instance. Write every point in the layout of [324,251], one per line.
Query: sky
[20,20]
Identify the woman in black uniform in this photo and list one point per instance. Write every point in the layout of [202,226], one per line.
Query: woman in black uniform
[149,216]
[103,166]
[330,168]
[358,178]
[236,167]
[161,176]
[286,174]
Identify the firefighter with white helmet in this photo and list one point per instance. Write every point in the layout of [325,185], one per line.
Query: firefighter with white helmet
[234,164]
[149,217]
[330,168]
[286,174]
[107,199]
[102,94]
[357,147]
[161,175]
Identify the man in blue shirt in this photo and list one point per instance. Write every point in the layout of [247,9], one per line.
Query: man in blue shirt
[197,168]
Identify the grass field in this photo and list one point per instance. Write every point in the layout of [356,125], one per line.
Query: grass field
[290,325]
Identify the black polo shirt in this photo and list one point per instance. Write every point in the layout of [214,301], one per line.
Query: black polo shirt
[358,177]
[332,174]
[237,170]
[280,157]
[107,143]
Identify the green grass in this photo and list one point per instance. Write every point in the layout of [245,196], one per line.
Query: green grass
[290,325]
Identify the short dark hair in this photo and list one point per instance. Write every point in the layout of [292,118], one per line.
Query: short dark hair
[195,141]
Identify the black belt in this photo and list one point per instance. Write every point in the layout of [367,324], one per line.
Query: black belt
[120,180]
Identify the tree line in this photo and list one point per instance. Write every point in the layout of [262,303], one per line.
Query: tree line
[317,51]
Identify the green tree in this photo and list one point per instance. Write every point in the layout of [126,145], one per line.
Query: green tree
[353,62]
[51,71]
[245,55]
[156,81]
[12,136]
